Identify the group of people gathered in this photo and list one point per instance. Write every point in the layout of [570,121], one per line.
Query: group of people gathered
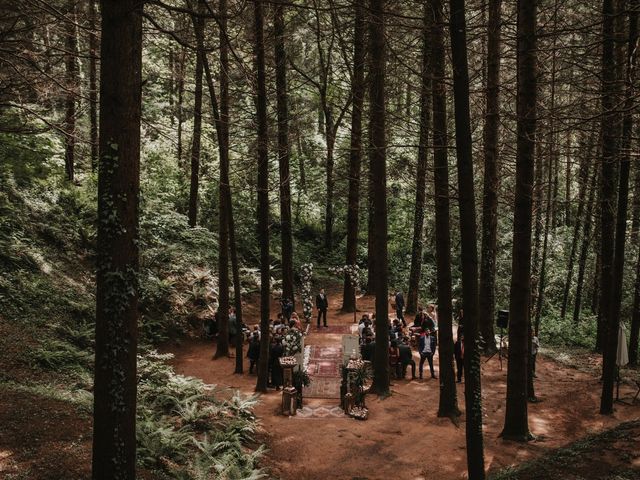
[422,335]
[286,321]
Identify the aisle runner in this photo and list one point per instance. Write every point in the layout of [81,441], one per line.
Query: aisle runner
[324,369]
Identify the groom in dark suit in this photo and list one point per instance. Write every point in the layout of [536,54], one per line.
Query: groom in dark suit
[322,304]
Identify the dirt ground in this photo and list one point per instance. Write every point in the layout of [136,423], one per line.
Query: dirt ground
[403,435]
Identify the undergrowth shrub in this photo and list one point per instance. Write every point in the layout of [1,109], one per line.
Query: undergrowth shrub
[186,432]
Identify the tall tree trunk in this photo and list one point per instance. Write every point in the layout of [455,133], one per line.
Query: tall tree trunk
[516,425]
[263,197]
[421,173]
[635,318]
[584,249]
[355,152]
[487,298]
[330,137]
[283,153]
[584,176]
[469,249]
[567,184]
[378,168]
[372,264]
[198,26]
[607,175]
[180,106]
[93,84]
[617,274]
[635,228]
[224,144]
[552,180]
[434,36]
[71,76]
[114,399]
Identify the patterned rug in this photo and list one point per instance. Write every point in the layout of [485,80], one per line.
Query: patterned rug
[320,412]
[324,369]
[340,329]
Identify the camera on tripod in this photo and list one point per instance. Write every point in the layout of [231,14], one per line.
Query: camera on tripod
[503,319]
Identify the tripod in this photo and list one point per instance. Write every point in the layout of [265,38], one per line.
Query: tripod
[499,352]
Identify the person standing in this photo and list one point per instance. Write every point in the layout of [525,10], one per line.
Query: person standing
[535,346]
[458,352]
[322,304]
[400,307]
[253,354]
[406,358]
[426,345]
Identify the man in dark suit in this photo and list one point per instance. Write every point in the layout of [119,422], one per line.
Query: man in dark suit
[406,358]
[368,350]
[400,307]
[322,304]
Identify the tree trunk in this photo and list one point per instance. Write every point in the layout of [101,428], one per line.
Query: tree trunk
[487,298]
[283,153]
[584,175]
[607,176]
[114,404]
[198,26]
[263,197]
[330,137]
[355,152]
[71,75]
[224,131]
[378,168]
[434,36]
[180,112]
[469,249]
[93,84]
[635,318]
[586,241]
[421,173]
[617,273]
[516,425]
[635,217]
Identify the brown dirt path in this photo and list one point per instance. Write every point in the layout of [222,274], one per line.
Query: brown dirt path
[403,435]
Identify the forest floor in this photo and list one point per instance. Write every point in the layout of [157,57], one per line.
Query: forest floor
[403,434]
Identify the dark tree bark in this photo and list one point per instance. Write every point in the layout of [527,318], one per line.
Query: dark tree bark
[283,153]
[582,193]
[263,196]
[421,173]
[635,318]
[355,152]
[93,84]
[71,78]
[434,35]
[223,143]
[607,177]
[180,106]
[584,249]
[487,299]
[635,227]
[378,168]
[198,26]
[617,273]
[469,249]
[516,425]
[114,405]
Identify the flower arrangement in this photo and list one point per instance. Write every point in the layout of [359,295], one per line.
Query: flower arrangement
[292,342]
[306,273]
[352,272]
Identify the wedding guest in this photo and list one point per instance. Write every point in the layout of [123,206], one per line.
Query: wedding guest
[394,358]
[400,307]
[458,352]
[427,349]
[368,349]
[274,357]
[253,354]
[322,304]
[406,358]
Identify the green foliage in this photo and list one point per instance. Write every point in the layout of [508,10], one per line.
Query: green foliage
[186,432]
[555,330]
